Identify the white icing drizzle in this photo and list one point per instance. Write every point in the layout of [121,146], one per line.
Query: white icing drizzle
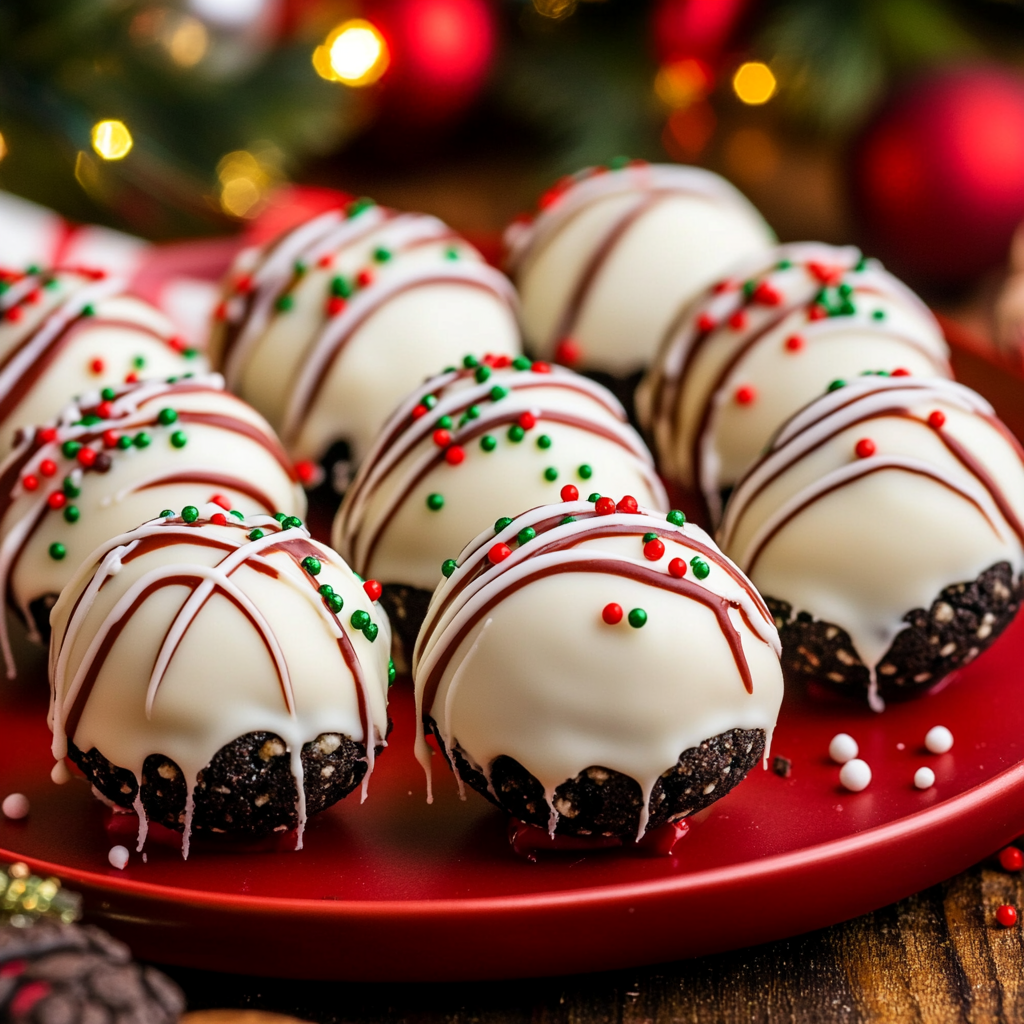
[96,606]
[228,445]
[925,429]
[732,337]
[468,648]
[582,419]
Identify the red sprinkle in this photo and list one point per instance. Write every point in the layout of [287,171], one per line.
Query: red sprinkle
[47,435]
[900,371]
[766,295]
[501,362]
[104,409]
[27,997]
[221,312]
[569,493]
[244,284]
[219,499]
[1011,859]
[817,312]
[604,506]
[865,448]
[745,394]
[541,367]
[936,419]
[177,343]
[455,455]
[527,421]
[335,305]
[219,519]
[306,471]
[738,320]
[364,278]
[654,550]
[677,568]
[627,503]
[612,613]
[722,286]
[110,438]
[420,410]
[826,275]
[97,366]
[442,437]
[1006,915]
[57,500]
[705,323]
[568,351]
[33,297]
[325,261]
[48,467]
[131,378]
[498,553]
[86,456]
[794,343]
[373,590]
[30,482]
[14,314]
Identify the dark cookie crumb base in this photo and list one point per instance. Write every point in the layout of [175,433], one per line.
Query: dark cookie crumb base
[406,608]
[80,975]
[964,620]
[603,802]
[246,790]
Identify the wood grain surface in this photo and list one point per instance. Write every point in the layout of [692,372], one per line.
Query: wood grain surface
[938,956]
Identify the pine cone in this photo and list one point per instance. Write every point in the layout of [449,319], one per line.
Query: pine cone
[53,973]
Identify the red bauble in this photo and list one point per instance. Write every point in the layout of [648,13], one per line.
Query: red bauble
[693,28]
[938,175]
[441,53]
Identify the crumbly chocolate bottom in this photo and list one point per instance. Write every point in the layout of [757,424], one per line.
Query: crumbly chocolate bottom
[39,611]
[247,789]
[964,620]
[603,802]
[406,608]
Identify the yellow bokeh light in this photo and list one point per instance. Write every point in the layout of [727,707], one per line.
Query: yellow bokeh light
[682,82]
[188,42]
[754,83]
[111,139]
[355,54]
[244,182]
[3,147]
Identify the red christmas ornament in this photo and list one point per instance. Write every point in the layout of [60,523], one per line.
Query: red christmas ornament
[938,176]
[694,28]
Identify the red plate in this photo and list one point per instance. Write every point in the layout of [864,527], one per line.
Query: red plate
[398,890]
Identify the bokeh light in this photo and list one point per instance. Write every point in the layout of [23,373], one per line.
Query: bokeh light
[244,183]
[355,53]
[754,83]
[3,147]
[187,42]
[682,82]
[112,140]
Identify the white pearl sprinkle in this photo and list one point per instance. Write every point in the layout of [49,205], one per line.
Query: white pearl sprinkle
[938,740]
[924,778]
[855,775]
[118,857]
[15,806]
[843,748]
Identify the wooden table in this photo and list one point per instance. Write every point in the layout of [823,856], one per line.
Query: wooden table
[937,956]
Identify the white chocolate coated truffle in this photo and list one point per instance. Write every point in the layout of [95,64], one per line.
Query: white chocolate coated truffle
[613,253]
[517,658]
[938,740]
[510,438]
[874,499]
[757,347]
[65,332]
[115,459]
[180,636]
[326,329]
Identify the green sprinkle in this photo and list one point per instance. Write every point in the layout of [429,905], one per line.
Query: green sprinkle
[516,433]
[483,373]
[488,443]
[567,520]
[594,497]
[521,363]
[89,310]
[676,518]
[526,534]
[429,401]
[448,566]
[360,619]
[311,565]
[190,513]
[391,671]
[291,522]
[138,362]
[167,512]
[836,385]
[381,255]
[469,362]
[341,287]
[748,288]
[847,308]
[637,618]
[585,472]
[51,284]
[357,206]
[141,439]
[325,589]
[617,163]
[71,514]
[334,601]
[444,422]
[284,303]
[370,631]
[500,524]
[256,534]
[473,412]
[299,267]
[784,264]
[89,419]
[861,263]
[165,417]
[71,489]
[57,551]
[649,537]
[551,474]
[878,314]
[451,253]
[71,449]
[435,502]
[108,394]
[498,393]
[238,515]
[280,516]
[544,441]
[845,290]
[700,567]
[179,439]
